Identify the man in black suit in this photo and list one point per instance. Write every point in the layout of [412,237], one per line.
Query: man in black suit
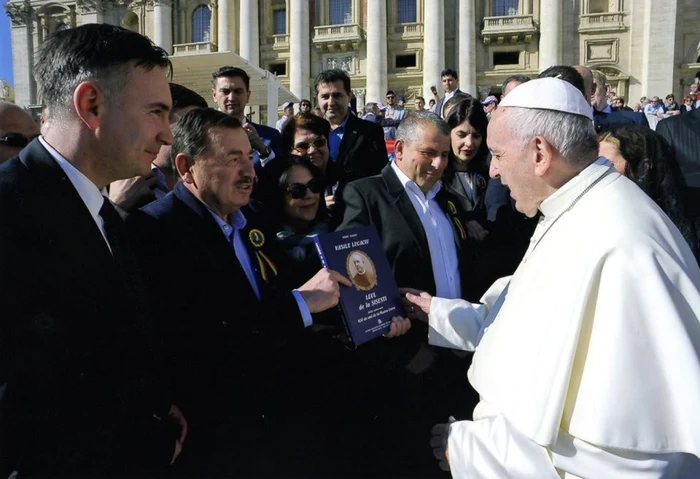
[450,83]
[683,134]
[227,312]
[357,147]
[80,394]
[422,233]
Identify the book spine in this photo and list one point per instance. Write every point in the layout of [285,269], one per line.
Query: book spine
[324,262]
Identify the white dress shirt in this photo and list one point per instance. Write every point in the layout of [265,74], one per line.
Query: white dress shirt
[438,231]
[87,190]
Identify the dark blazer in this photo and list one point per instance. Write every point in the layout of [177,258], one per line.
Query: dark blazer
[80,395]
[223,345]
[683,110]
[382,201]
[605,121]
[422,382]
[683,134]
[441,103]
[362,153]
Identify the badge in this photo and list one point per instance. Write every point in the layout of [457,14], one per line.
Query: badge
[256,237]
[480,182]
[451,206]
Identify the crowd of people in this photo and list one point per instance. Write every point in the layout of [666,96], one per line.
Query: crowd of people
[165,313]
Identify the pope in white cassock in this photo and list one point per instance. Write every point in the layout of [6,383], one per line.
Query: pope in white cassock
[587,359]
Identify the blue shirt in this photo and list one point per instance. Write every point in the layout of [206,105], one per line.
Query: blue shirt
[335,138]
[232,231]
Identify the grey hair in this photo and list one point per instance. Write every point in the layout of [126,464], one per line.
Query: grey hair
[417,120]
[573,136]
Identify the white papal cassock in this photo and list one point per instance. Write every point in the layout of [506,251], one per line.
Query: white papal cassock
[588,358]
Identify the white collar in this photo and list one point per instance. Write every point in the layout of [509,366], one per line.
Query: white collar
[561,199]
[408,183]
[88,191]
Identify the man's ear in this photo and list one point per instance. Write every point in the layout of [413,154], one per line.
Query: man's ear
[89,103]
[543,155]
[184,168]
[398,149]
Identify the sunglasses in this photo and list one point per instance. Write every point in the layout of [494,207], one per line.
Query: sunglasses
[298,190]
[16,140]
[319,142]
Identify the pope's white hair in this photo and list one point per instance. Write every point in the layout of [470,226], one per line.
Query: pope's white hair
[573,136]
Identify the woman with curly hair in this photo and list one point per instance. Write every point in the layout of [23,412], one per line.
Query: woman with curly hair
[646,158]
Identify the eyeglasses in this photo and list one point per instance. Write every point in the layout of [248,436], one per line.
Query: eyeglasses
[298,190]
[16,140]
[319,142]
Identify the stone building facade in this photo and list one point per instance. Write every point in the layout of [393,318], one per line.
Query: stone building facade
[645,47]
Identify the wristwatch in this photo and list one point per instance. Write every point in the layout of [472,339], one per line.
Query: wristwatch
[265,153]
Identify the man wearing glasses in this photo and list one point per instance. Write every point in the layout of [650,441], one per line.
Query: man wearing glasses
[393,111]
[17,129]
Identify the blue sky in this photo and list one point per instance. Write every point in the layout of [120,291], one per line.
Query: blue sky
[5,48]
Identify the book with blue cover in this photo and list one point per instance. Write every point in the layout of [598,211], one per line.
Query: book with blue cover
[368,306]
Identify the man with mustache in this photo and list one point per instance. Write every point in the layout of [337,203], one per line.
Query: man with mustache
[228,311]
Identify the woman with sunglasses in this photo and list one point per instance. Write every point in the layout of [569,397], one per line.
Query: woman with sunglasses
[17,129]
[688,104]
[301,214]
[307,135]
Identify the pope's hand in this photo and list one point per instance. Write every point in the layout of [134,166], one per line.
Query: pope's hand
[438,441]
[417,303]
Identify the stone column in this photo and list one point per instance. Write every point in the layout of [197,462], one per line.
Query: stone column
[659,69]
[22,33]
[433,45]
[467,46]
[300,56]
[249,36]
[224,32]
[163,25]
[550,33]
[376,50]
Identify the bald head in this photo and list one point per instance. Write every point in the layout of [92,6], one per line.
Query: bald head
[17,128]
[588,83]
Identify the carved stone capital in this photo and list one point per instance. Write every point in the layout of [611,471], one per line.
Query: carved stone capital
[20,13]
[89,6]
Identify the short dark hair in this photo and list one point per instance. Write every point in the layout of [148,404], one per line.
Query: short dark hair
[512,78]
[184,97]
[191,133]
[304,100]
[332,76]
[456,98]
[420,98]
[566,73]
[230,72]
[416,121]
[103,53]
[308,121]
[449,72]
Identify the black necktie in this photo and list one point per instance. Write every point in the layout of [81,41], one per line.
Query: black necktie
[114,229]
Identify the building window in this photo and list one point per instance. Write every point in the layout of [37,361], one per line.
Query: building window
[340,12]
[279,21]
[505,8]
[131,22]
[506,58]
[406,11]
[201,23]
[406,61]
[279,69]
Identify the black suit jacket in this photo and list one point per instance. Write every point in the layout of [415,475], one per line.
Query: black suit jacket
[76,354]
[270,135]
[382,201]
[605,121]
[441,103]
[362,153]
[223,345]
[683,134]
